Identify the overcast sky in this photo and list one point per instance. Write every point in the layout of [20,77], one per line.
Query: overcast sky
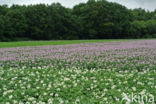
[146,4]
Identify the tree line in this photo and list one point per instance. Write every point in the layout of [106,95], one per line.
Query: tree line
[96,19]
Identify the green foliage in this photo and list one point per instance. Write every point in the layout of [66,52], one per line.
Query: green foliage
[145,29]
[17,22]
[1,27]
[92,20]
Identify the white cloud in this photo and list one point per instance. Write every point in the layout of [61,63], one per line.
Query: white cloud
[67,3]
[146,4]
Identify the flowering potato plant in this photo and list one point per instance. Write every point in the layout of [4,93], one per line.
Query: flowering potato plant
[94,73]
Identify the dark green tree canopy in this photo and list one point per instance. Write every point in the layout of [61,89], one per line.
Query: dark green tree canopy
[96,19]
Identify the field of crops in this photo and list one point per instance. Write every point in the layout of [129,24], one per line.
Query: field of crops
[86,73]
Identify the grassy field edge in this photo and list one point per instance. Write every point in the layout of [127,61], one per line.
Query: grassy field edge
[58,42]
